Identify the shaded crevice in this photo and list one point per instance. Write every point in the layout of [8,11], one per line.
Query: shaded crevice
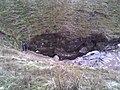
[55,44]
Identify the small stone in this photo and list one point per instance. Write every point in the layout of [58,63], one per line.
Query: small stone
[56,58]
[37,51]
[2,88]
[83,50]
[118,45]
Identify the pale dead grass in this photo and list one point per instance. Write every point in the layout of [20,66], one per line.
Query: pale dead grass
[28,73]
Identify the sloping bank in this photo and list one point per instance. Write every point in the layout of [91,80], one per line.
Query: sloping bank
[23,73]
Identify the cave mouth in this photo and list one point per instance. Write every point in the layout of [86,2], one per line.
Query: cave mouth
[55,44]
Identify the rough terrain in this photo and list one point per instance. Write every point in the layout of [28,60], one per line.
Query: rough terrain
[30,71]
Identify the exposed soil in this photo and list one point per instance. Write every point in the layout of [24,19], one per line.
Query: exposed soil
[55,44]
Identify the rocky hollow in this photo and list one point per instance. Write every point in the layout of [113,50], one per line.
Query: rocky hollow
[56,44]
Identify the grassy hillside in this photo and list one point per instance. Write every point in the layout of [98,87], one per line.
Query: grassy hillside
[22,71]
[21,19]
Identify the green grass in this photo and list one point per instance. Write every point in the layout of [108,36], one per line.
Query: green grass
[26,19]
[22,73]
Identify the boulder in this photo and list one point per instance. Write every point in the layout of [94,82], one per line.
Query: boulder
[113,44]
[114,41]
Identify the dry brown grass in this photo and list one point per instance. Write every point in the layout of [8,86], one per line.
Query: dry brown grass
[30,74]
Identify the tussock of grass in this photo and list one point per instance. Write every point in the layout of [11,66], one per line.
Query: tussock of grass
[23,73]
[34,76]
[9,52]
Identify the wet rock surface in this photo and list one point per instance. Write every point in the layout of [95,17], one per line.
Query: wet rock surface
[55,44]
[102,59]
